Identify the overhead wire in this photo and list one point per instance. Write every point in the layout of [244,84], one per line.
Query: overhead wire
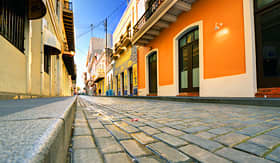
[91,28]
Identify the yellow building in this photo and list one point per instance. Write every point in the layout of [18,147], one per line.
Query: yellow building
[36,58]
[125,67]
[99,73]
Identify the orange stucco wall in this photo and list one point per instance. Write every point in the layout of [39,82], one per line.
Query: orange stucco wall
[224,52]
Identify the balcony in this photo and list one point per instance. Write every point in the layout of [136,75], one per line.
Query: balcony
[68,5]
[126,39]
[157,17]
[68,21]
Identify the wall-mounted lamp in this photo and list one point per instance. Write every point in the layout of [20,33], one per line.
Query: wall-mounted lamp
[72,53]
[218,26]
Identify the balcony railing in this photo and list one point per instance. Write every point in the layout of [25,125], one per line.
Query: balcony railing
[149,12]
[68,5]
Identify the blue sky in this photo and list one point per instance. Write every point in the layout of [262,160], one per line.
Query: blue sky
[87,12]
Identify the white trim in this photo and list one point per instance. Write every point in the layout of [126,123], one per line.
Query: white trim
[147,71]
[250,43]
[167,90]
[176,54]
[142,92]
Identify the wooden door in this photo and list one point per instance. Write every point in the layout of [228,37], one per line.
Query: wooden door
[189,62]
[152,59]
[267,15]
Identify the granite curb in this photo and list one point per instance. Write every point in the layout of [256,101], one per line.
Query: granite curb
[36,130]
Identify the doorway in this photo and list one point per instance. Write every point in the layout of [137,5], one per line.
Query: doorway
[189,61]
[267,23]
[152,66]
[117,86]
[130,81]
[122,78]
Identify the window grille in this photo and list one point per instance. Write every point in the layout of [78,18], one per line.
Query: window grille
[12,21]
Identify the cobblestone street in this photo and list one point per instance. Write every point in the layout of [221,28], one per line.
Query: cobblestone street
[125,130]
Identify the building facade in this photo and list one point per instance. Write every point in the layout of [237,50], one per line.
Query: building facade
[125,54]
[214,48]
[95,51]
[99,65]
[32,53]
[100,70]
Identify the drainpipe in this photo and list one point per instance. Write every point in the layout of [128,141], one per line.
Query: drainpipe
[28,52]
[42,60]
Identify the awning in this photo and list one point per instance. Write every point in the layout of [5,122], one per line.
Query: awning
[70,65]
[98,79]
[36,9]
[50,41]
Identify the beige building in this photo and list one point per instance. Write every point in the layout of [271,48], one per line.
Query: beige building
[37,51]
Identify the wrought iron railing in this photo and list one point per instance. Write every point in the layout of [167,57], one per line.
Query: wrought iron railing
[68,5]
[148,13]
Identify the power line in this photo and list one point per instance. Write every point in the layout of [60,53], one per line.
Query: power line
[92,27]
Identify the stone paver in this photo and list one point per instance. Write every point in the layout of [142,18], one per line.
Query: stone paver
[87,156]
[206,135]
[105,121]
[127,128]
[101,133]
[275,133]
[220,131]
[238,156]
[135,149]
[94,124]
[108,145]
[143,138]
[153,131]
[149,130]
[254,130]
[204,143]
[249,147]
[231,139]
[81,131]
[266,140]
[80,142]
[117,158]
[202,155]
[196,129]
[171,140]
[171,131]
[168,153]
[119,134]
[147,160]
[274,155]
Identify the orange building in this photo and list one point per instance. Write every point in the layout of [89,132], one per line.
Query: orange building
[208,48]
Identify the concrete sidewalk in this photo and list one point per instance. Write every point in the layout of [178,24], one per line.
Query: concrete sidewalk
[36,130]
[143,130]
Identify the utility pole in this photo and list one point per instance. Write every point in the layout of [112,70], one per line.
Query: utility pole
[106,30]
[106,53]
[91,29]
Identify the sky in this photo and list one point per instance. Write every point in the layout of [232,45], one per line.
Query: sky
[87,12]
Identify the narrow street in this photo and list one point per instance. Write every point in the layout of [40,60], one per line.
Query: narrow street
[127,130]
